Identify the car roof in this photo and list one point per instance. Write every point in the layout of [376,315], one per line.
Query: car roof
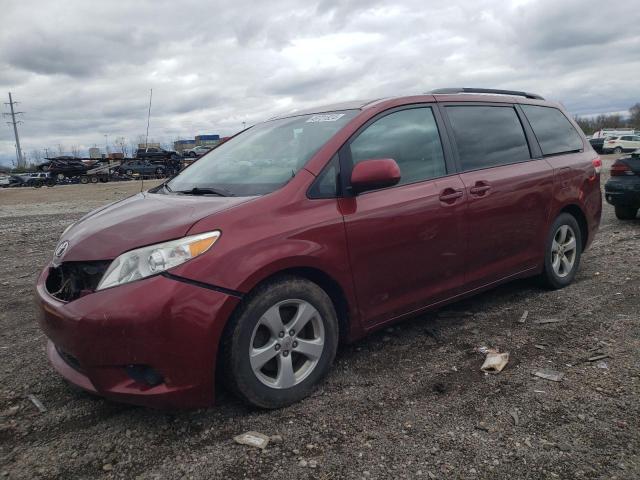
[444,95]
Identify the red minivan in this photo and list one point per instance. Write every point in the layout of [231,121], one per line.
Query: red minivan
[309,229]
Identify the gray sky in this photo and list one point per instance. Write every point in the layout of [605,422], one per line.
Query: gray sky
[83,68]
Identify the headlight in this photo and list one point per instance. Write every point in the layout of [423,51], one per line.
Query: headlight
[147,261]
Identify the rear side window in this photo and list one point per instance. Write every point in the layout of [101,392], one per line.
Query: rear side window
[487,136]
[553,130]
[410,137]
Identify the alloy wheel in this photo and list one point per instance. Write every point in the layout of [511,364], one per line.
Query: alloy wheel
[287,343]
[563,251]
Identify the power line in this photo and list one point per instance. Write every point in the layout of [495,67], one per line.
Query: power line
[15,123]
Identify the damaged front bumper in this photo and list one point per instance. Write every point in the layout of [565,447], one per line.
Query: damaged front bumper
[152,342]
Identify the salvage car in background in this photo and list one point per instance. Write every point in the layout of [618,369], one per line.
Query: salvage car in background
[30,179]
[597,143]
[64,167]
[197,151]
[155,153]
[141,167]
[621,143]
[622,190]
[253,262]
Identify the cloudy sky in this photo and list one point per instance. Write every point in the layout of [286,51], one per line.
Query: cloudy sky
[83,68]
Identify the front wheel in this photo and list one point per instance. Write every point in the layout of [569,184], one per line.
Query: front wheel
[562,252]
[280,343]
[626,212]
[617,150]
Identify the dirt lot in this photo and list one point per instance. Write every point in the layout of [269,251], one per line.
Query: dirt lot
[409,402]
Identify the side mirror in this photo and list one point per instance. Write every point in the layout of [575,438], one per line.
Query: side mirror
[374,174]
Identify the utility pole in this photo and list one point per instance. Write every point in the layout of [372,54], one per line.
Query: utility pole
[146,137]
[15,130]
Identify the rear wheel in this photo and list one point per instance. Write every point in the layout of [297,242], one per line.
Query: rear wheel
[617,150]
[280,343]
[129,172]
[84,180]
[625,212]
[94,179]
[562,252]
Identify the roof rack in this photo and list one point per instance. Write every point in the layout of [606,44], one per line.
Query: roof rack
[444,91]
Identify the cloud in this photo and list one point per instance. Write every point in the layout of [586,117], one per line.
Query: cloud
[83,68]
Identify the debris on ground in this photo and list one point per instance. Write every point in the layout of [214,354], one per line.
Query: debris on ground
[547,374]
[516,418]
[494,361]
[595,358]
[524,316]
[41,408]
[544,321]
[252,439]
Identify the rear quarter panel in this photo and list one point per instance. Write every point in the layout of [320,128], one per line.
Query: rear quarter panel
[576,183]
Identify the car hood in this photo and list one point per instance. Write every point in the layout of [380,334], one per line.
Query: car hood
[140,220]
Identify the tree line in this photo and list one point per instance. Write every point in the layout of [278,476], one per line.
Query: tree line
[591,125]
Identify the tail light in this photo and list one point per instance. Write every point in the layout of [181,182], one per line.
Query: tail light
[597,164]
[619,169]
[610,141]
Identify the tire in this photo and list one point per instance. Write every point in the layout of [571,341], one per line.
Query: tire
[84,180]
[159,171]
[279,300]
[617,150]
[192,154]
[37,184]
[556,273]
[94,179]
[626,212]
[129,172]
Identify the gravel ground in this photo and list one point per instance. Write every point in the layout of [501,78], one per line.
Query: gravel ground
[408,402]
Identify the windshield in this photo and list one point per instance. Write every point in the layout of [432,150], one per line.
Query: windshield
[263,158]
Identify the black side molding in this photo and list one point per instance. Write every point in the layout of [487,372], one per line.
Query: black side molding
[226,291]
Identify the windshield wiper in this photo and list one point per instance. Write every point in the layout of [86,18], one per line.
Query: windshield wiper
[206,191]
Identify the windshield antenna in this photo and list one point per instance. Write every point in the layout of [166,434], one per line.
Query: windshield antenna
[146,138]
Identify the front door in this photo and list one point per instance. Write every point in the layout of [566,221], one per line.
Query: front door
[406,243]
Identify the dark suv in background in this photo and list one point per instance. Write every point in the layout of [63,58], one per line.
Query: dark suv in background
[622,190]
[142,167]
[155,153]
[308,229]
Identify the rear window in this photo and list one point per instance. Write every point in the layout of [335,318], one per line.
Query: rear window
[487,136]
[553,130]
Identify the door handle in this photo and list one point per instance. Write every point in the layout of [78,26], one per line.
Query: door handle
[450,195]
[480,188]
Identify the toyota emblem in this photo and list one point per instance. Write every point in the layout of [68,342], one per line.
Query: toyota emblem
[60,249]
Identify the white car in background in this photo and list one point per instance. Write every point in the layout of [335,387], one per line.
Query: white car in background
[197,151]
[621,143]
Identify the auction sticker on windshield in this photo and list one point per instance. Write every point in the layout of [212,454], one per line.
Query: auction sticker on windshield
[325,117]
